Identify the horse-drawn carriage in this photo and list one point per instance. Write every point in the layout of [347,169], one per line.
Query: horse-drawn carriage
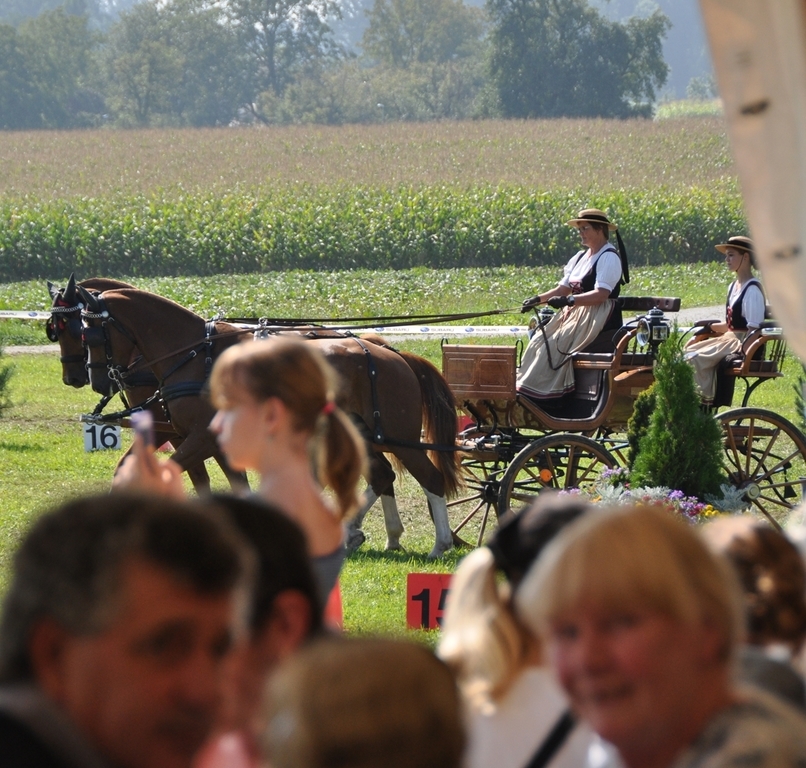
[516,447]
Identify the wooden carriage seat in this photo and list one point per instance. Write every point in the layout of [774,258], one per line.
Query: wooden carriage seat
[606,340]
[762,357]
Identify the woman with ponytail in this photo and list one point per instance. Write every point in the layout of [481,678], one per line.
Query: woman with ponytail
[277,415]
[518,717]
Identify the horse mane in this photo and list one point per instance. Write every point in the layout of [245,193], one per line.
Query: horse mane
[154,302]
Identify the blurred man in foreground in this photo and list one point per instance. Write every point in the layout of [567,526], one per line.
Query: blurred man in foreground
[114,633]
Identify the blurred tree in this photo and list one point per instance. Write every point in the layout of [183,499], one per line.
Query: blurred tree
[352,93]
[174,63]
[214,74]
[19,101]
[406,32]
[142,67]
[282,39]
[59,49]
[562,58]
[100,13]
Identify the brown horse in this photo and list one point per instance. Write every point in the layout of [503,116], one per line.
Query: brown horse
[65,328]
[387,393]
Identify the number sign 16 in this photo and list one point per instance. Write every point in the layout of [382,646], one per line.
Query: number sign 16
[101,437]
[426,594]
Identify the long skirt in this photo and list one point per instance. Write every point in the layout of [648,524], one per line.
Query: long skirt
[705,356]
[546,369]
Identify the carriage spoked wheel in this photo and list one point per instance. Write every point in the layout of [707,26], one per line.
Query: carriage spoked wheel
[470,512]
[765,458]
[560,461]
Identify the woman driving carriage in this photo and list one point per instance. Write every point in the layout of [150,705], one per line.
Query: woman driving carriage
[744,310]
[585,295]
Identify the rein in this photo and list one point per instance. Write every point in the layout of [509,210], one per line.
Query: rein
[366,323]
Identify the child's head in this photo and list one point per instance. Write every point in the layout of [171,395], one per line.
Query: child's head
[363,703]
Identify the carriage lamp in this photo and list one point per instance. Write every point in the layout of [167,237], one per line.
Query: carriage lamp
[653,329]
[539,320]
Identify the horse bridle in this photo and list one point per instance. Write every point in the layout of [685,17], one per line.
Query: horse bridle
[60,322]
[93,336]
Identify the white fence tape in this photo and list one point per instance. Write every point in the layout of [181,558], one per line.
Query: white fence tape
[392,330]
[24,315]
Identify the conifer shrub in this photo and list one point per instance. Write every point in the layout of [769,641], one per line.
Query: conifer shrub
[6,372]
[638,425]
[682,446]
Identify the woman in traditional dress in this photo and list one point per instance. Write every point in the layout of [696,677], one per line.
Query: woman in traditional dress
[744,311]
[586,297]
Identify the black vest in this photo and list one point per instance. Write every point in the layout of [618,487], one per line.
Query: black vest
[733,312]
[588,283]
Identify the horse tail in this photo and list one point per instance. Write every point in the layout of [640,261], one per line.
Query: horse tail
[439,418]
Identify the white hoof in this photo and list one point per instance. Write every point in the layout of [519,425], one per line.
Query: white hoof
[439,513]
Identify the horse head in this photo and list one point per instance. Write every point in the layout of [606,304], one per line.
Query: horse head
[110,346]
[64,327]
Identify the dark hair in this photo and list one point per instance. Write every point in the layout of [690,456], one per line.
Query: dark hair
[773,580]
[282,556]
[68,567]
[522,536]
[599,227]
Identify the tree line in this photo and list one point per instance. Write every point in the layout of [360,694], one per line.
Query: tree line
[201,63]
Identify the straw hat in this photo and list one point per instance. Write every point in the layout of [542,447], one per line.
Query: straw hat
[593,214]
[738,242]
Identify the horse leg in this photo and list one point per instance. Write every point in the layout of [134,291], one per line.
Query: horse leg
[433,484]
[237,480]
[392,521]
[355,536]
[196,472]
[382,478]
[438,508]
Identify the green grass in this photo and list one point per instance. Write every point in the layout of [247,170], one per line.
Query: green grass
[688,108]
[43,462]
[371,293]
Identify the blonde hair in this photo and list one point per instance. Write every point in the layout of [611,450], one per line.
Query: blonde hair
[483,642]
[363,703]
[634,556]
[296,372]
[483,639]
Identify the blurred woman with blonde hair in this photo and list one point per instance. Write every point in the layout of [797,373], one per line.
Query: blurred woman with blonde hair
[642,624]
[516,713]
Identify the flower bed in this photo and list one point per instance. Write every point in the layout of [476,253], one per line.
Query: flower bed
[613,487]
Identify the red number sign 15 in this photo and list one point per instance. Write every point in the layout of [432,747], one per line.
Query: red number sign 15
[426,594]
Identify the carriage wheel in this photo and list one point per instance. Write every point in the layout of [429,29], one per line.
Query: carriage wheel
[559,461]
[470,513]
[766,458]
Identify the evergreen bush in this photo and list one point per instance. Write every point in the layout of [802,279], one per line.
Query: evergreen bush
[638,424]
[682,448]
[6,372]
